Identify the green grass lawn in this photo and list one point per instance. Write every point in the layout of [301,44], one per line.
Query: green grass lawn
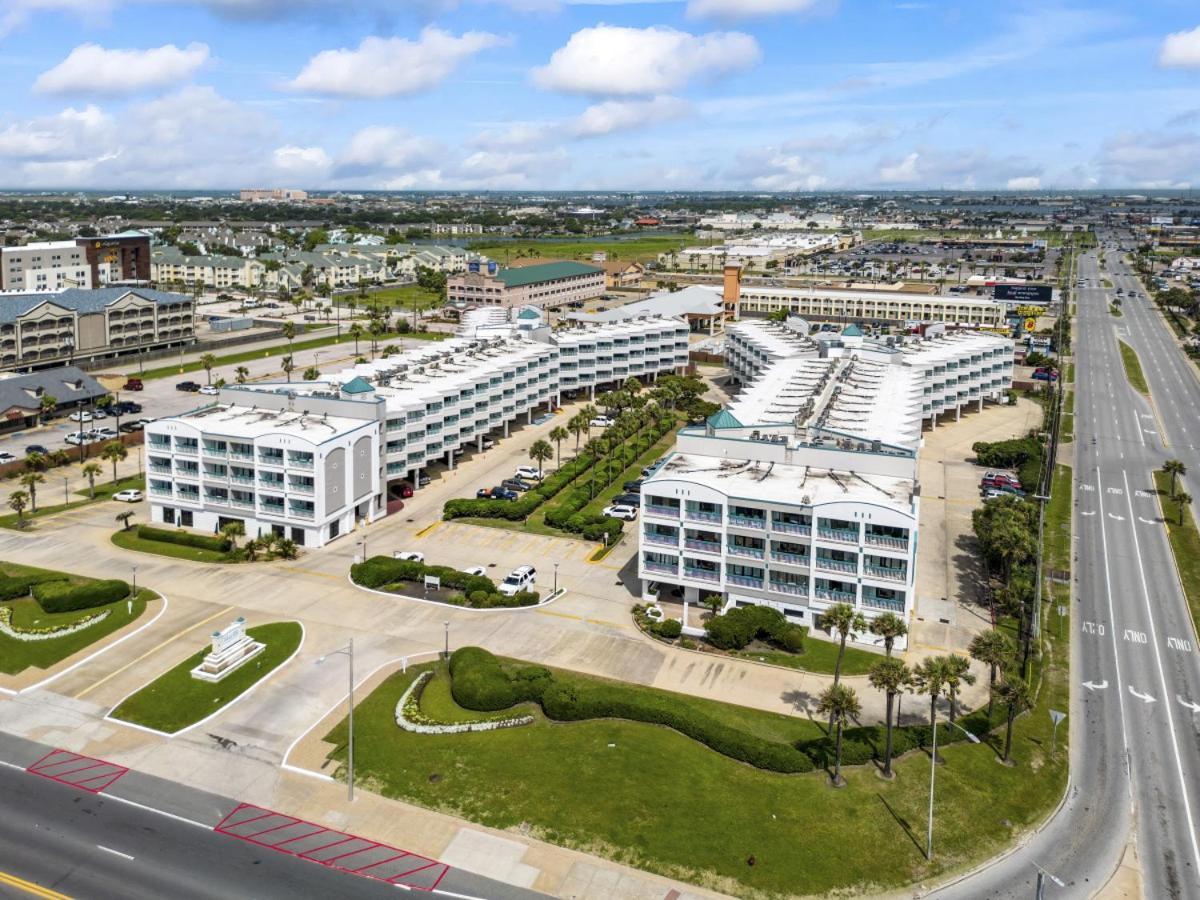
[233,359]
[104,491]
[818,656]
[1115,310]
[621,789]
[1070,373]
[1133,368]
[175,699]
[1184,538]
[1067,429]
[129,540]
[407,297]
[634,248]
[16,656]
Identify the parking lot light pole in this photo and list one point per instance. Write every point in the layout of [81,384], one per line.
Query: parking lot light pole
[446,626]
[133,580]
[932,778]
[66,495]
[556,578]
[1042,875]
[349,651]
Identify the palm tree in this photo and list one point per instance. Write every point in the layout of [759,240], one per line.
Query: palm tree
[35,462]
[1013,694]
[232,532]
[46,406]
[631,385]
[289,332]
[1184,499]
[841,703]
[207,361]
[241,373]
[30,480]
[540,451]
[312,373]
[577,426]
[994,649]
[114,452]
[890,676]
[588,413]
[888,626]
[847,622]
[1175,468]
[558,434]
[355,331]
[90,471]
[288,365]
[929,677]
[958,673]
[17,501]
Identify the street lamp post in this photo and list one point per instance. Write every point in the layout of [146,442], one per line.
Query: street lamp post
[66,495]
[1042,875]
[133,580]
[933,776]
[446,626]
[556,578]
[349,651]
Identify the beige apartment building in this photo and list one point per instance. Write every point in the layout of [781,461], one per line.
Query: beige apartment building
[547,285]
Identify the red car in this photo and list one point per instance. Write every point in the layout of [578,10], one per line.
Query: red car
[406,490]
[998,480]
[133,384]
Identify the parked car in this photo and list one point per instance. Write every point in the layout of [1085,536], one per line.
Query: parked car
[36,448]
[409,555]
[515,484]
[1009,489]
[600,422]
[99,413]
[529,472]
[133,384]
[129,496]
[210,390]
[406,490]
[130,427]
[80,415]
[992,494]
[996,479]
[634,486]
[422,480]
[487,443]
[628,513]
[190,387]
[475,570]
[106,434]
[519,579]
[6,457]
[652,468]
[634,500]
[127,407]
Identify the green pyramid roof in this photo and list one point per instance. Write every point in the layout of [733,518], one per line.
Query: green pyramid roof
[724,419]
[357,385]
[852,331]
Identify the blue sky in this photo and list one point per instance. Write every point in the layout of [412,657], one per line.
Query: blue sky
[530,94]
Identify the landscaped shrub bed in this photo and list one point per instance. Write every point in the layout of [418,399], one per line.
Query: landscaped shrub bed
[1023,454]
[477,591]
[741,625]
[484,683]
[184,538]
[62,596]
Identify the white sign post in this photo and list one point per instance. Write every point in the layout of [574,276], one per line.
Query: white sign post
[1055,717]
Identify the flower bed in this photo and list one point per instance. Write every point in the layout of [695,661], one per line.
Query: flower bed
[45,634]
[410,718]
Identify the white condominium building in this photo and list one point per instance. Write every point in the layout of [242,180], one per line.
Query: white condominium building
[294,458]
[803,492]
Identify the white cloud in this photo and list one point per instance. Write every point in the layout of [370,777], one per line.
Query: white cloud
[516,135]
[1151,159]
[388,67]
[623,115]
[613,60]
[1181,50]
[385,148]
[746,9]
[92,69]
[776,169]
[1024,183]
[509,170]
[900,172]
[71,134]
[311,161]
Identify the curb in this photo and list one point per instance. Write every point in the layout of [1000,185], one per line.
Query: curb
[550,598]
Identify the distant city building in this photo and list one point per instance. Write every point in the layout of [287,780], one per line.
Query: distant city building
[548,285]
[259,195]
[456,228]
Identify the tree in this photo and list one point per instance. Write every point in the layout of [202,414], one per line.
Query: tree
[289,332]
[847,622]
[288,365]
[287,548]
[540,452]
[958,673]
[1184,500]
[558,434]
[1014,696]
[1175,468]
[30,481]
[841,703]
[890,676]
[90,471]
[123,518]
[714,602]
[47,406]
[355,331]
[241,373]
[888,626]
[114,452]
[312,373]
[929,677]
[995,650]
[207,361]
[35,462]
[232,532]
[17,501]
[588,413]
[577,426]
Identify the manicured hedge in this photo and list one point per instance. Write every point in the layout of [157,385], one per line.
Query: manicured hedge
[184,538]
[62,596]
[741,625]
[476,591]
[18,586]
[480,683]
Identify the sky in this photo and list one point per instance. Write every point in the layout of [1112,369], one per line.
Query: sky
[752,95]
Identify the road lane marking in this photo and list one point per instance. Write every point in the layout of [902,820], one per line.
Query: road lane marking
[1112,618]
[1194,707]
[1162,680]
[154,649]
[30,888]
[1145,698]
[113,852]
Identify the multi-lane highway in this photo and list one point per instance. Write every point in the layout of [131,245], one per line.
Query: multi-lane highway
[1136,674]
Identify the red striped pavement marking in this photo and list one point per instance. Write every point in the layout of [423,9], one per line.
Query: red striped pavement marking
[52,765]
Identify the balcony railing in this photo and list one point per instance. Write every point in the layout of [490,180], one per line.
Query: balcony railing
[745,581]
[791,528]
[160,470]
[747,521]
[301,488]
[701,574]
[787,587]
[836,565]
[667,568]
[242,502]
[699,515]
[242,479]
[298,512]
[298,462]
[834,596]
[268,459]
[239,454]
[887,572]
[702,546]
[740,550]
[671,512]
[883,540]
[160,491]
[216,452]
[838,534]
[655,538]
[893,605]
[793,559]
[185,450]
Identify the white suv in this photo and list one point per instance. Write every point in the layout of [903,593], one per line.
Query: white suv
[530,472]
[519,579]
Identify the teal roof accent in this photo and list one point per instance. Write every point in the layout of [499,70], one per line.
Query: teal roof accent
[528,313]
[852,331]
[544,272]
[724,419]
[357,385]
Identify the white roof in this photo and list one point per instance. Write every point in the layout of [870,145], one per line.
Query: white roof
[697,299]
[248,422]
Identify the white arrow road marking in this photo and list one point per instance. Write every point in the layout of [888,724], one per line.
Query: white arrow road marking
[1091,686]
[113,852]
[1115,516]
[1145,698]
[1194,707]
[1092,513]
[1147,521]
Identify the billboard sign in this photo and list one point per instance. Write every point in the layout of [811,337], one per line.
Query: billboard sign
[1040,294]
